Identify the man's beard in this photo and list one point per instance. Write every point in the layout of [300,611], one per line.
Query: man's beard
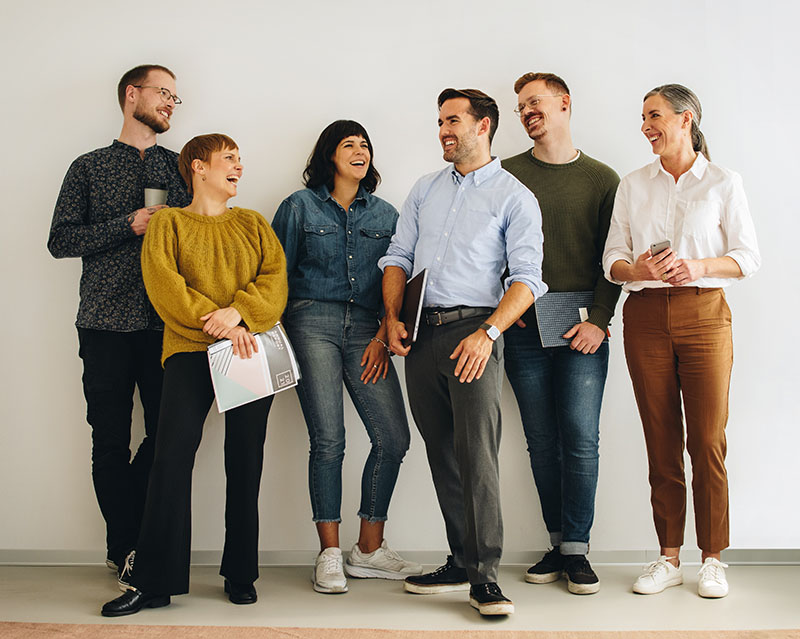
[150,120]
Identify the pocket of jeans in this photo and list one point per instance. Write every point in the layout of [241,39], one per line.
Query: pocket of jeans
[297,305]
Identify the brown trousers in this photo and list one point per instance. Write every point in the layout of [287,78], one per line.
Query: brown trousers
[678,343]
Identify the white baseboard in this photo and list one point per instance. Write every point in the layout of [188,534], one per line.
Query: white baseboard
[733,556]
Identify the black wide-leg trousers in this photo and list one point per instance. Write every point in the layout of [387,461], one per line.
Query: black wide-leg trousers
[164,546]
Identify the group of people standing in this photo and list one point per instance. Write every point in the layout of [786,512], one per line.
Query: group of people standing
[160,286]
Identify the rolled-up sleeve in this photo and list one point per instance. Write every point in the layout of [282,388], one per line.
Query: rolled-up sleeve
[740,232]
[524,244]
[404,241]
[619,243]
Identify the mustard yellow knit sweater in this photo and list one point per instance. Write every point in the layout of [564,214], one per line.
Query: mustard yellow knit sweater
[193,264]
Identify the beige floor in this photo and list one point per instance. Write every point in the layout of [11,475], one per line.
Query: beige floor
[761,598]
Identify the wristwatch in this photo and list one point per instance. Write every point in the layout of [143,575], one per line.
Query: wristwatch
[492,331]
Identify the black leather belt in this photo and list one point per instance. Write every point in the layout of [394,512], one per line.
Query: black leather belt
[440,316]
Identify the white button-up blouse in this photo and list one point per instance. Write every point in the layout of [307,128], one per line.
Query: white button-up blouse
[704,214]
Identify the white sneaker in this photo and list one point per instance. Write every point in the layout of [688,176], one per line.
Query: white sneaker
[328,576]
[658,575]
[383,563]
[712,582]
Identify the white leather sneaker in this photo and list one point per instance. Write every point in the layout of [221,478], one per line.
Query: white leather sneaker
[657,576]
[383,563]
[328,576]
[712,583]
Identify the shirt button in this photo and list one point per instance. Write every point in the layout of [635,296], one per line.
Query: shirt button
[351,300]
[350,256]
[352,279]
[438,259]
[454,210]
[349,232]
[445,234]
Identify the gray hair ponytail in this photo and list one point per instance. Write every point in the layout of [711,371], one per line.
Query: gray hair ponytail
[682,99]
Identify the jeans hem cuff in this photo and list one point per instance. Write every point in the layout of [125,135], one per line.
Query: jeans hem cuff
[574,548]
[372,520]
[328,521]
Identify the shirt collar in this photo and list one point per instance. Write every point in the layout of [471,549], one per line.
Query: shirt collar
[324,194]
[122,146]
[478,175]
[697,169]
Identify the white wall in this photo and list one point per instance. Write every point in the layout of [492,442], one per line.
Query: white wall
[272,76]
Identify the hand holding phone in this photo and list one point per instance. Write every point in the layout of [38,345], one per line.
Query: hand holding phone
[658,247]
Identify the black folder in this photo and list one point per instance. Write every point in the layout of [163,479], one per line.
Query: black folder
[411,312]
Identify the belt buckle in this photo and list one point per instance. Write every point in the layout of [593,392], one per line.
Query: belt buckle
[437,321]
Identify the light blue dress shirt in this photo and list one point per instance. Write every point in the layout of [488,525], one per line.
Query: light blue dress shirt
[465,230]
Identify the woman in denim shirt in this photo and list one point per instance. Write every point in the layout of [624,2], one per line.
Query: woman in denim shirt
[333,232]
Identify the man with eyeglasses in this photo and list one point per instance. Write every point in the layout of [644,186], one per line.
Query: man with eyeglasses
[100,217]
[559,389]
[465,223]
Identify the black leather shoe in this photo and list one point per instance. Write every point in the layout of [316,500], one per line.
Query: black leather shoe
[241,593]
[132,602]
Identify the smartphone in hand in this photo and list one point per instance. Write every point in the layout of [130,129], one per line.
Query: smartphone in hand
[658,247]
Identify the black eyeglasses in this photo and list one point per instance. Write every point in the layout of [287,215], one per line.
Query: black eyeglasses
[166,94]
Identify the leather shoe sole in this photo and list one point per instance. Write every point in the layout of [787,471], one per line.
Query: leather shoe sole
[241,594]
[132,602]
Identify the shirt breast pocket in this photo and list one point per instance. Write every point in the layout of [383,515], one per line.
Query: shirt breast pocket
[374,243]
[702,217]
[322,244]
[481,220]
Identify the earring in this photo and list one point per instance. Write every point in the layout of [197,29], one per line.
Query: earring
[203,177]
[563,108]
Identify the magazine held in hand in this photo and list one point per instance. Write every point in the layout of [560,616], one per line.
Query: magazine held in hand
[239,381]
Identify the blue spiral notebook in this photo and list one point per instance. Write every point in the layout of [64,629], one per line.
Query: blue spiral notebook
[559,311]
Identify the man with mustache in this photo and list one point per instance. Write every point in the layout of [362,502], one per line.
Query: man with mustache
[560,389]
[100,217]
[464,224]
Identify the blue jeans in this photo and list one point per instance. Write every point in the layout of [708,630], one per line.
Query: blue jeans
[329,339]
[559,392]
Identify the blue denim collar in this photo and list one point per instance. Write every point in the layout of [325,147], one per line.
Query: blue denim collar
[324,194]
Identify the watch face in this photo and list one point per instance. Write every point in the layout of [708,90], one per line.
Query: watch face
[492,331]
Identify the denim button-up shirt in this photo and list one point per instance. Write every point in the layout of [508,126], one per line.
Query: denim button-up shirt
[332,254]
[465,230]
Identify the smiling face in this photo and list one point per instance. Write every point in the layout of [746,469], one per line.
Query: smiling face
[351,158]
[458,131]
[151,108]
[542,109]
[222,173]
[668,132]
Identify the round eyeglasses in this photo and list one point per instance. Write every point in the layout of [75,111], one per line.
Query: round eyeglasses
[533,102]
[166,94]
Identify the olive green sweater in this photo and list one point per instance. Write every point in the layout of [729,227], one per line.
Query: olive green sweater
[576,201]
[193,264]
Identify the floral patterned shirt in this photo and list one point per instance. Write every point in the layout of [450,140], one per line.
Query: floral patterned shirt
[92,221]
